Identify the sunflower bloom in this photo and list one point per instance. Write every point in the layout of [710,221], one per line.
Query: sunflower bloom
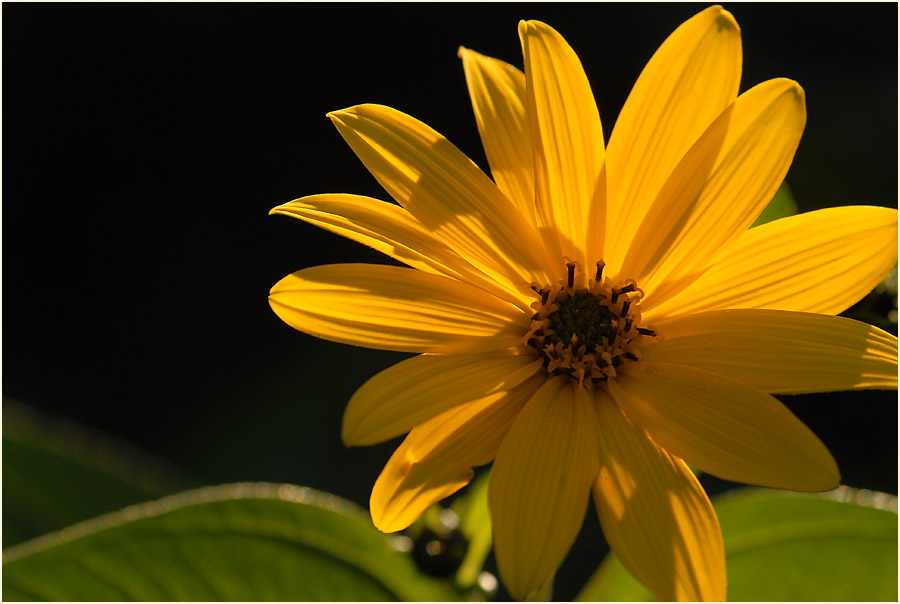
[596,315]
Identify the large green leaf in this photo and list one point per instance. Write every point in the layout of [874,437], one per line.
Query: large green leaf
[784,546]
[57,472]
[250,541]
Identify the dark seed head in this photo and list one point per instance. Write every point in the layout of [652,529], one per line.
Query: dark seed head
[583,318]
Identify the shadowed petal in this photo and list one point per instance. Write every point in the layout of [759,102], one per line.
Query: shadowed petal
[823,261]
[780,352]
[654,513]
[437,457]
[402,396]
[687,83]
[394,308]
[540,484]
[724,427]
[497,90]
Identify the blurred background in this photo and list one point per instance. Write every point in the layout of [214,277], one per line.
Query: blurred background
[144,145]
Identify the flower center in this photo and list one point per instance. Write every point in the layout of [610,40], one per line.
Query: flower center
[587,333]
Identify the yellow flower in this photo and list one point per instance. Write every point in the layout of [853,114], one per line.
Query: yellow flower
[596,315]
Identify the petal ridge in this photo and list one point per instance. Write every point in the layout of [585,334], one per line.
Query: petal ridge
[540,484]
[822,261]
[567,139]
[396,308]
[392,230]
[446,192]
[404,395]
[497,92]
[688,82]
[780,352]
[724,427]
[436,458]
[654,513]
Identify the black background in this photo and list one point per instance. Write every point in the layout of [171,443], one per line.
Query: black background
[143,145]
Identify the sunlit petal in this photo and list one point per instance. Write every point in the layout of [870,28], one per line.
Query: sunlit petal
[567,138]
[593,319]
[446,192]
[654,513]
[540,484]
[394,308]
[725,427]
[402,396]
[822,261]
[391,230]
[437,457]
[746,154]
[781,352]
[686,84]
[497,90]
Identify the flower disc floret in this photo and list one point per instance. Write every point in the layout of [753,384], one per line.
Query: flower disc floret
[588,332]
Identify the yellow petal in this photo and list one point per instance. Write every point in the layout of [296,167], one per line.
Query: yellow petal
[567,138]
[392,230]
[686,84]
[780,352]
[394,308]
[497,90]
[446,192]
[690,220]
[540,484]
[654,513]
[724,427]
[437,457]
[823,261]
[394,401]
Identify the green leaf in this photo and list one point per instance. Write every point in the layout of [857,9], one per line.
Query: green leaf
[57,472]
[249,542]
[781,206]
[783,546]
[475,524]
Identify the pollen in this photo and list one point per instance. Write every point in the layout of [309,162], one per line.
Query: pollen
[587,333]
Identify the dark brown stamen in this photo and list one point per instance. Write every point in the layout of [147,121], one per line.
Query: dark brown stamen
[570,266]
[646,332]
[600,266]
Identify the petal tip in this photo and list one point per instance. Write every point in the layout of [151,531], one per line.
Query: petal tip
[720,17]
[523,28]
[383,522]
[349,437]
[726,21]
[336,116]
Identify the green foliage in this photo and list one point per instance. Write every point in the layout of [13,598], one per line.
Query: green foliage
[57,473]
[475,524]
[789,547]
[781,206]
[234,542]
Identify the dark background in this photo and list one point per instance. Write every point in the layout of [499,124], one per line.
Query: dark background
[143,145]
